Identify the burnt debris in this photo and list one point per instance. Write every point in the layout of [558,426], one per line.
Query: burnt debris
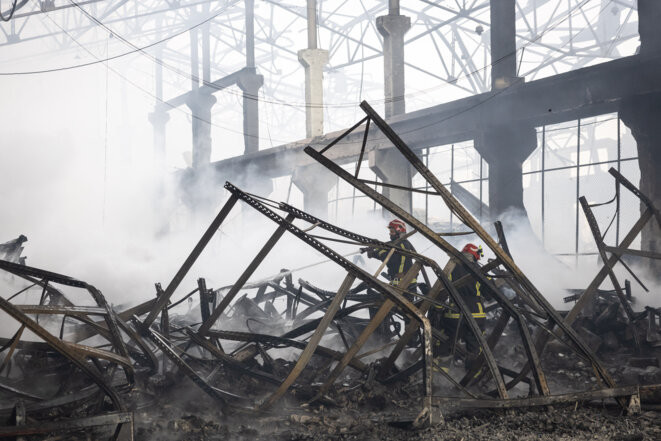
[286,345]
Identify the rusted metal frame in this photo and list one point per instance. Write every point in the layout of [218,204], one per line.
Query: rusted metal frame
[281,341]
[411,329]
[63,349]
[598,394]
[640,253]
[243,278]
[90,351]
[228,361]
[20,393]
[507,261]
[11,344]
[428,233]
[21,291]
[181,300]
[589,293]
[636,191]
[309,300]
[111,323]
[69,425]
[56,309]
[362,148]
[188,263]
[351,129]
[204,301]
[373,325]
[61,279]
[223,397]
[591,290]
[362,275]
[596,234]
[137,338]
[400,187]
[307,353]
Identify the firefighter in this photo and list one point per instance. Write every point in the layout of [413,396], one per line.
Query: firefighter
[449,320]
[398,264]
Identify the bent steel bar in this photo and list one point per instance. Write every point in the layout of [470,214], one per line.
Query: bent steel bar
[378,318]
[63,349]
[188,263]
[474,269]
[372,282]
[507,261]
[69,425]
[596,234]
[307,353]
[17,269]
[220,395]
[243,278]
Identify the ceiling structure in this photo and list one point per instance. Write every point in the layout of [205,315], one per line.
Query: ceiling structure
[447,49]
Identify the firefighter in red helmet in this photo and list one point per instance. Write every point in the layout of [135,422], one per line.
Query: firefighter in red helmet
[398,264]
[448,319]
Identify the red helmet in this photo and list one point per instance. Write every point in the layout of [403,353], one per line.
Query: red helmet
[397,225]
[474,250]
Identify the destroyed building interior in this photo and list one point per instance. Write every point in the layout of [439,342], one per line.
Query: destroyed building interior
[330,219]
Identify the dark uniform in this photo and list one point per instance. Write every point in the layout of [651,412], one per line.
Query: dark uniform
[398,264]
[447,319]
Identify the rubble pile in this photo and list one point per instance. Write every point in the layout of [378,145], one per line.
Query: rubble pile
[285,351]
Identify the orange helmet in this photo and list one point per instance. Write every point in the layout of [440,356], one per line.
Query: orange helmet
[397,225]
[474,250]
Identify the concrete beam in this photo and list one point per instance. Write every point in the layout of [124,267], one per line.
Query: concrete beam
[581,93]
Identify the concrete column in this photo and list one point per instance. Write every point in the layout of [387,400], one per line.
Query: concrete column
[505,148]
[314,60]
[250,82]
[649,17]
[503,43]
[391,167]
[642,115]
[315,181]
[200,105]
[158,119]
[393,27]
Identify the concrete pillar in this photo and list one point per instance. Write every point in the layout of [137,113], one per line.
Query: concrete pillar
[505,148]
[200,105]
[391,167]
[642,115]
[503,44]
[314,60]
[649,17]
[393,27]
[158,119]
[315,181]
[250,82]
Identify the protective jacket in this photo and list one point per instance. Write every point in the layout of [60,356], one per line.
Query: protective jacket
[470,293]
[399,263]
